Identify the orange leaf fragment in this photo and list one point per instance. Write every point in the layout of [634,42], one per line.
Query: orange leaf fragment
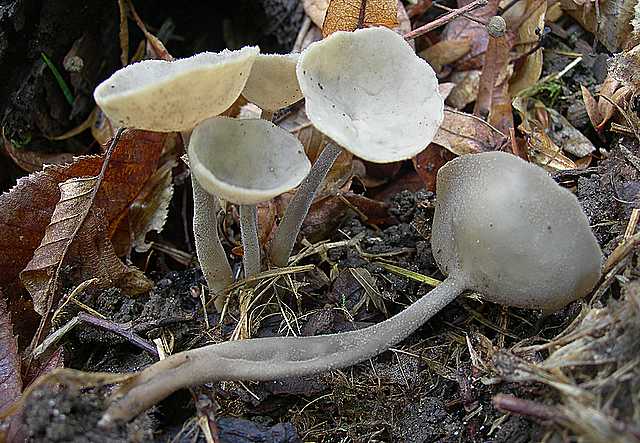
[349,15]
[591,105]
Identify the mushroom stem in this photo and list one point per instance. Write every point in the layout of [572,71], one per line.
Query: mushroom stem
[289,227]
[250,243]
[213,260]
[274,357]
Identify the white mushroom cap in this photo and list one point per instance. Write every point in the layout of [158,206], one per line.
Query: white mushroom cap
[273,84]
[246,161]
[370,93]
[164,96]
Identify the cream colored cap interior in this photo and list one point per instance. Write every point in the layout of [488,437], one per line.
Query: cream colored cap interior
[371,93]
[164,96]
[273,84]
[246,161]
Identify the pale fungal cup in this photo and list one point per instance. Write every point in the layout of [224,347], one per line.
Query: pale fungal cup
[502,227]
[246,162]
[273,83]
[173,96]
[372,95]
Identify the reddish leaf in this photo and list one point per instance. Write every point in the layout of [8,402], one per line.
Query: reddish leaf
[429,161]
[28,207]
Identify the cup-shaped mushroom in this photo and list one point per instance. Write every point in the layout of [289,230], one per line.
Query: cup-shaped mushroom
[369,92]
[507,229]
[273,84]
[168,96]
[246,161]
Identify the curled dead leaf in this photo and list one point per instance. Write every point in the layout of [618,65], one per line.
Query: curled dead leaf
[76,236]
[541,148]
[29,206]
[445,52]
[591,106]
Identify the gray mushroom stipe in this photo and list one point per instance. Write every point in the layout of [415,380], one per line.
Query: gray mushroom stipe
[287,231]
[250,244]
[274,357]
[211,255]
[490,233]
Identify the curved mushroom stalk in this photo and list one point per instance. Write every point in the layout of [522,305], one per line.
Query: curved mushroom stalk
[274,357]
[502,227]
[246,162]
[372,95]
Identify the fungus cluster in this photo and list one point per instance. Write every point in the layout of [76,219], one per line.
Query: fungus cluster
[370,94]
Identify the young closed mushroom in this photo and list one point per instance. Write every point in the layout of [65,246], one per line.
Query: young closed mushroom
[372,95]
[165,96]
[502,227]
[246,162]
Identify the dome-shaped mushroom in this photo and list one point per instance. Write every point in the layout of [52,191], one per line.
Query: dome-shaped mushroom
[369,92]
[273,84]
[507,229]
[165,96]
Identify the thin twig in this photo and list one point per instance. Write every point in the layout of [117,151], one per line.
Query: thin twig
[468,17]
[445,19]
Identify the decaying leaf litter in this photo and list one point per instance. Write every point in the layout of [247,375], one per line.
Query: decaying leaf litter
[474,372]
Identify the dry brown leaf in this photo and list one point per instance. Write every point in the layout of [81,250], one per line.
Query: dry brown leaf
[591,106]
[466,89]
[148,212]
[541,149]
[619,97]
[610,21]
[607,88]
[429,161]
[349,15]
[463,133]
[462,28]
[28,207]
[528,70]
[76,236]
[445,89]
[495,72]
[445,52]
